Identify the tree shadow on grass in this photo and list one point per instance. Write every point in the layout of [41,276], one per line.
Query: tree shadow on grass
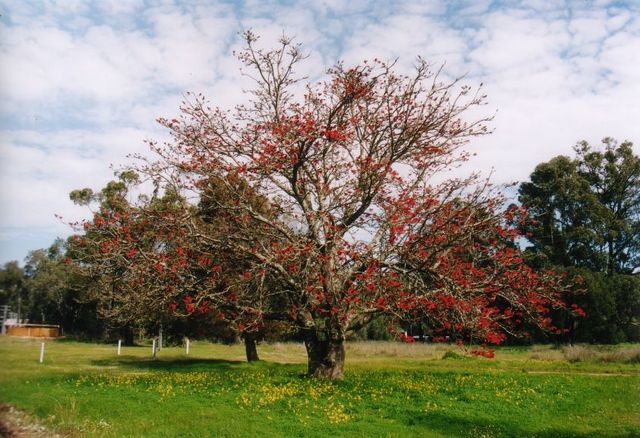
[160,364]
[453,425]
[189,365]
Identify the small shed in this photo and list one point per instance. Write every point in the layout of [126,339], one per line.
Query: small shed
[34,330]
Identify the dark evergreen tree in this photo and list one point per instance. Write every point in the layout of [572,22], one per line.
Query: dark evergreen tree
[584,213]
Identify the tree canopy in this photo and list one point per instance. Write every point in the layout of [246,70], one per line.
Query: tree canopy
[315,203]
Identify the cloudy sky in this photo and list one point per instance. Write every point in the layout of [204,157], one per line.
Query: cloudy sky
[81,82]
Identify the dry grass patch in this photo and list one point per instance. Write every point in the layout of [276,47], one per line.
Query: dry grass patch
[546,353]
[373,349]
[283,352]
[589,353]
[294,352]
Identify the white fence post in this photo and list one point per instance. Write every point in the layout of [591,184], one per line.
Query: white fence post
[153,348]
[41,352]
[187,346]
[119,346]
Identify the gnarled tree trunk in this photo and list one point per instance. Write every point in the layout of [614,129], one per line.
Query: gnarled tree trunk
[250,347]
[325,356]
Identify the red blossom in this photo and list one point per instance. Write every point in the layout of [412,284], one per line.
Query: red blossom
[408,339]
[578,310]
[488,353]
[495,338]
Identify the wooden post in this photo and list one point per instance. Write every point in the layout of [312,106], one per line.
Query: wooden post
[119,346]
[187,346]
[153,348]
[41,352]
[5,311]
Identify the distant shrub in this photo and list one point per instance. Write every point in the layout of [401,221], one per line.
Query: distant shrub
[452,355]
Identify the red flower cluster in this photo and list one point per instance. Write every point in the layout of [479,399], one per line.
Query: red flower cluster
[489,354]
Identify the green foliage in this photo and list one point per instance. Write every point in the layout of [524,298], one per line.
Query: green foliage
[49,290]
[376,330]
[220,195]
[613,175]
[82,196]
[584,213]
[560,231]
[58,293]
[452,355]
[112,197]
[586,210]
[612,307]
[12,288]
[85,390]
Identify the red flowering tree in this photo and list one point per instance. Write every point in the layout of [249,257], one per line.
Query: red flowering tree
[158,259]
[353,222]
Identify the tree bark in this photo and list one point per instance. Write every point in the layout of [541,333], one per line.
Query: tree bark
[611,262]
[250,347]
[325,357]
[127,334]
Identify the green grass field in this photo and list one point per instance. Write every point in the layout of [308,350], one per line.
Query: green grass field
[390,389]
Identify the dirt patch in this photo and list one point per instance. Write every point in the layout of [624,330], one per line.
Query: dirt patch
[15,423]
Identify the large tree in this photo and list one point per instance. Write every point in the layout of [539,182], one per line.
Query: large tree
[353,223]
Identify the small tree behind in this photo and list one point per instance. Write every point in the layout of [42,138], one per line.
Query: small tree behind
[159,259]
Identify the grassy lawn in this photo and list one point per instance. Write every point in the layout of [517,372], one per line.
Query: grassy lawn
[390,389]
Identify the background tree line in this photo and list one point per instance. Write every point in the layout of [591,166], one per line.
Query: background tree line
[584,218]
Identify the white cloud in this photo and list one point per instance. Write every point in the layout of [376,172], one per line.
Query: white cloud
[119,8]
[82,82]
[36,180]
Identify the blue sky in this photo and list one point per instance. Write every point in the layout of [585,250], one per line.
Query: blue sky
[82,82]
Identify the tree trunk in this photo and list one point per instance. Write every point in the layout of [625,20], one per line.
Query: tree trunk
[250,347]
[326,357]
[127,334]
[611,262]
